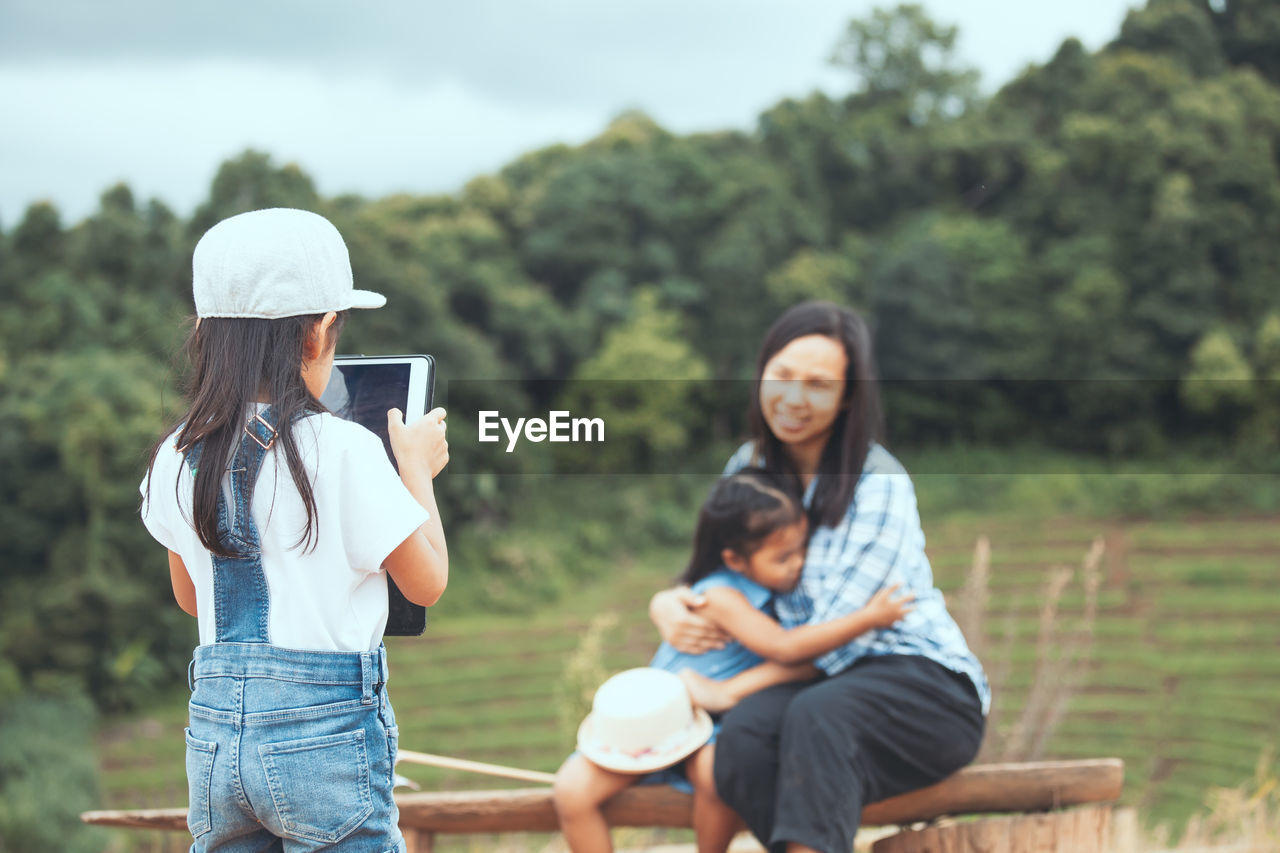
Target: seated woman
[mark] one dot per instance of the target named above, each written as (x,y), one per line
(894,709)
(748,546)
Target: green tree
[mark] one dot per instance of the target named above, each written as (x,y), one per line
(1264,429)
(1180,29)
(952,300)
(704,219)
(35,247)
(1266,348)
(1250,33)
(78,565)
(253,182)
(956,316)
(903,54)
(647,385)
(47,772)
(884,139)
(1219,381)
(835,276)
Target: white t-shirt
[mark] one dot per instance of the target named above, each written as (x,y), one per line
(332,597)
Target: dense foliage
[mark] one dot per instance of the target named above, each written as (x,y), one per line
(46,773)
(1109,217)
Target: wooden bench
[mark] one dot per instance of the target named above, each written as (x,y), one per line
(1035,798)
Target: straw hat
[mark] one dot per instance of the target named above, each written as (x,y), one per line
(642,720)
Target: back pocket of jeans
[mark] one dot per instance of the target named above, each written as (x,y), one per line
(319,785)
(199,779)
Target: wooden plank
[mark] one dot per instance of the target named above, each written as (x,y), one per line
(974,790)
(1079,830)
(531,810)
(980,789)
(993,788)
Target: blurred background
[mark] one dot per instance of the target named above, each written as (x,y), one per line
(1061,223)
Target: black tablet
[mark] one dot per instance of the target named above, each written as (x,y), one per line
(362,389)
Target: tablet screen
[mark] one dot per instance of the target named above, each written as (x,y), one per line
(363,393)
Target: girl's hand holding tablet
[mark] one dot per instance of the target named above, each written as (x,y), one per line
(421,443)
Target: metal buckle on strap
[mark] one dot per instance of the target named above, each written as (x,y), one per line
(249,432)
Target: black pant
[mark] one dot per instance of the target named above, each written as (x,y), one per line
(799,761)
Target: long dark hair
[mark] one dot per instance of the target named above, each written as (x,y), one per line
(859,422)
(237,361)
(742,511)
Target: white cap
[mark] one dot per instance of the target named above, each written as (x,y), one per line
(275,263)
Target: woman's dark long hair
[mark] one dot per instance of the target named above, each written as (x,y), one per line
(237,361)
(859,422)
(742,511)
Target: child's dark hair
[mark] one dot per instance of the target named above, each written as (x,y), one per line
(742,511)
(237,361)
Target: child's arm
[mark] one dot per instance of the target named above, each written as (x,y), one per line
(183,588)
(729,609)
(420,564)
(788,653)
(720,696)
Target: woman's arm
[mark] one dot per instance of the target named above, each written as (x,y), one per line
(729,609)
(184,591)
(676,613)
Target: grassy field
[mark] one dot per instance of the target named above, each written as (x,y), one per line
(1182,679)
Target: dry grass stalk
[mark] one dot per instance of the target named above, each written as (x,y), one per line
(971,610)
(584,671)
(1245,819)
(1072,659)
(971,617)
(1062,652)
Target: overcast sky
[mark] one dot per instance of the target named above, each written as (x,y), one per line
(391,96)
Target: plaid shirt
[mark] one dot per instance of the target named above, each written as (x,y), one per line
(878,543)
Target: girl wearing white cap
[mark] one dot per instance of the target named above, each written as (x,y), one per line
(278,519)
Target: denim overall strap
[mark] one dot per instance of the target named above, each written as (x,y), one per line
(240,598)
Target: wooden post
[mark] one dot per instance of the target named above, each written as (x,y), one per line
(1082,830)
(419,840)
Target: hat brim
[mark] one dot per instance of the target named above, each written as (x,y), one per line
(697,734)
(367,299)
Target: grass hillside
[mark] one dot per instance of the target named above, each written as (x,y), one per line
(1182,679)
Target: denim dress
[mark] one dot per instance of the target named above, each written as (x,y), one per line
(287,749)
(718,664)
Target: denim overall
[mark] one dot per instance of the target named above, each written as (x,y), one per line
(287,749)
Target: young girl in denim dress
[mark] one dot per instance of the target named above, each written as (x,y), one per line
(279,520)
(749,543)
